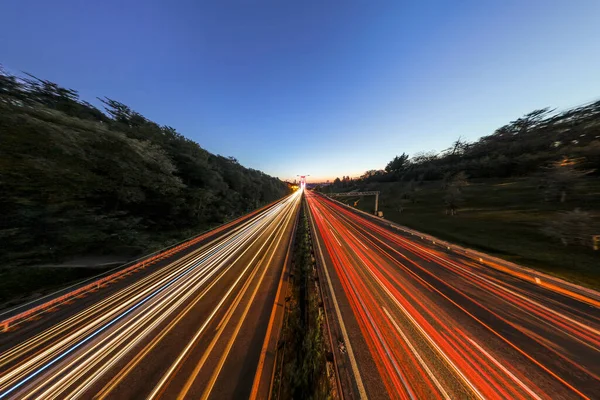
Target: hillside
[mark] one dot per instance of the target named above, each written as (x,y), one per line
(504,217)
(529,193)
(77,181)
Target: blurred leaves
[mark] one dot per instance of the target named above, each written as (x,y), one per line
(74,180)
(573,228)
(520,148)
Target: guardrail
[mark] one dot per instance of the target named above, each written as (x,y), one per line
(570,289)
(349,384)
(99,280)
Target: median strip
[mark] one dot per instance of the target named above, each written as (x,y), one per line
(303,369)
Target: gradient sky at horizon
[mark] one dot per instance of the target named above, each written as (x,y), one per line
(322,88)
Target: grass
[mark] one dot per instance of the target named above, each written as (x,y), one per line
(303,374)
(20,282)
(500,217)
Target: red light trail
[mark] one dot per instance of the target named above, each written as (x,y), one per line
(438,325)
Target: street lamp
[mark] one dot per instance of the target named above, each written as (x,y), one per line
(302,181)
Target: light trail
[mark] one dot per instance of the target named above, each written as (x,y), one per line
(95,350)
(439,325)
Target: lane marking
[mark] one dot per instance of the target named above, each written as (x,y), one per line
(506,371)
(427,337)
(191,343)
(333,235)
(208,389)
(417,355)
(361,388)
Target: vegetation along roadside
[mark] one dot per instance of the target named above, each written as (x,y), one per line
(529,192)
(77,182)
(302,370)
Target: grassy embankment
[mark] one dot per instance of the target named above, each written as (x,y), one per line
(303,372)
(19,284)
(27,282)
(76,182)
(504,218)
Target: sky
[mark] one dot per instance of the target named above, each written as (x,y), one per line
(326,88)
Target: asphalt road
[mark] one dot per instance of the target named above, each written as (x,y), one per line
(418,322)
(193,328)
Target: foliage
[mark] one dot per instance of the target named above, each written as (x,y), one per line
(573,228)
(520,148)
(503,217)
(304,374)
(74,180)
(562,176)
(338,185)
(453,196)
(559,148)
(397,164)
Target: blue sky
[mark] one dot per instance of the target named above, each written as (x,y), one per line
(326,88)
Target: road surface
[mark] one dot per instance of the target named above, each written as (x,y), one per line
(193,328)
(418,322)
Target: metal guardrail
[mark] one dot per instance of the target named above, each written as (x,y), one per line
(351,387)
(99,280)
(550,282)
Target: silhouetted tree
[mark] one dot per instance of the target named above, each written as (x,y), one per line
(453,195)
(75,180)
(397,164)
(562,176)
(519,148)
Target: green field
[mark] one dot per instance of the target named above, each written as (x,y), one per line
(504,218)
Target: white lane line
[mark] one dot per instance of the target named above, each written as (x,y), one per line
(73,338)
(382,340)
(168,277)
(418,356)
(336,239)
(432,342)
(359,383)
(506,371)
(194,339)
(209,387)
(358,240)
(158,277)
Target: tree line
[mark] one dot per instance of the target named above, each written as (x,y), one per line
(76,180)
(522,147)
(556,149)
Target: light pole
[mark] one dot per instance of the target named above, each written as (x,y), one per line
(302,181)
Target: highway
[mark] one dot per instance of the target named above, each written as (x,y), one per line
(414,321)
(193,328)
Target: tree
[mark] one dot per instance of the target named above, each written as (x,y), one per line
(459,147)
(453,195)
(372,173)
(119,112)
(397,164)
(424,157)
(412,187)
(519,148)
(75,180)
(529,121)
(572,228)
(11,91)
(562,176)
